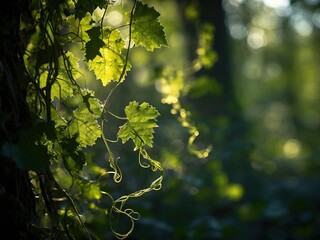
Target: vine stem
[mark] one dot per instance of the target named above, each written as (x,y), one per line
(71,202)
(125,63)
(113,164)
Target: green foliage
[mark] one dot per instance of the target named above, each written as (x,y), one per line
(63,41)
(109,65)
(141,119)
(146,29)
(84,125)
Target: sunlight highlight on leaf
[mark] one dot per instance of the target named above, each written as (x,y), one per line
(146,28)
(108,67)
(140,124)
(84,124)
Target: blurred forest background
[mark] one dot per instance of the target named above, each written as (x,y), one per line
(257,106)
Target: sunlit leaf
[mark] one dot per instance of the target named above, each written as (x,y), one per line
(141,121)
(63,85)
(109,66)
(84,124)
(85,25)
(146,28)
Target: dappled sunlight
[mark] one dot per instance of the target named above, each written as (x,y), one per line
(234,192)
(275,89)
(228,147)
(302,23)
(246,139)
(256,38)
(291,148)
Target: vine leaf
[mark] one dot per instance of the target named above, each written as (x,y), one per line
(85,25)
(95,43)
(73,157)
(62,87)
(84,123)
(146,28)
(84,6)
(141,121)
(109,66)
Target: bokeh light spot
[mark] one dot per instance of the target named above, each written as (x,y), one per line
(291,148)
(234,192)
(277,3)
(301,24)
(256,38)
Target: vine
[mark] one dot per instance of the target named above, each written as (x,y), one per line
(64,43)
(68,118)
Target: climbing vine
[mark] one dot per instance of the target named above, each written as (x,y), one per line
(61,42)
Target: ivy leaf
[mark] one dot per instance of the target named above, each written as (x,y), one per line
(109,65)
(84,124)
(141,120)
(146,28)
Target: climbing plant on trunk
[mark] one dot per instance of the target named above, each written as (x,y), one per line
(44,132)
(50,117)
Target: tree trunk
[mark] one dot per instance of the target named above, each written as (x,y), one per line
(16,195)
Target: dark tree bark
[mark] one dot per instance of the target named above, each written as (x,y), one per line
(16,195)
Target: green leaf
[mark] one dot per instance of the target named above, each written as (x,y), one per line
(63,86)
(84,6)
(28,153)
(84,124)
(141,120)
(109,66)
(72,155)
(93,104)
(146,28)
(85,25)
(95,43)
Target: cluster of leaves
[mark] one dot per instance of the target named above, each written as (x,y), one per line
(67,116)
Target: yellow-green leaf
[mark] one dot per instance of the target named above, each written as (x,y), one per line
(146,28)
(141,120)
(84,124)
(109,66)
